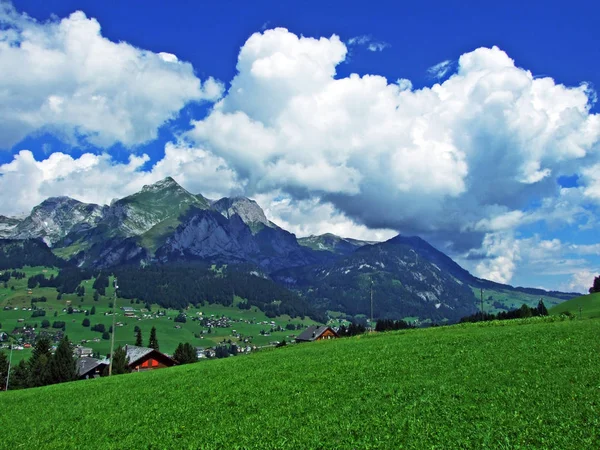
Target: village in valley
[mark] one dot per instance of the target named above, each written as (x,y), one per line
(213,331)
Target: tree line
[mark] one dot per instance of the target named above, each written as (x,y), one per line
(42,368)
(521,313)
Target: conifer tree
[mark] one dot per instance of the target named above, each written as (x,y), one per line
(138,338)
(39,363)
(63,366)
(19,376)
(541,308)
(185,354)
(3,370)
(153,342)
(120,364)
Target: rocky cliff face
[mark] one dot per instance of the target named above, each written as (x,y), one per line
(7,225)
(247,209)
(55,217)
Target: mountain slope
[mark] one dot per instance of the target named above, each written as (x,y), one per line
(332,243)
(404,285)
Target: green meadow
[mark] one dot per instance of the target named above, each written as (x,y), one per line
(522,384)
(170,333)
(586,306)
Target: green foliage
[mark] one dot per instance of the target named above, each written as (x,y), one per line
(153,341)
(39,363)
(596,285)
(19,376)
(185,354)
(86,322)
(63,366)
(120,364)
(3,370)
(177,285)
(106,335)
(28,252)
(138,338)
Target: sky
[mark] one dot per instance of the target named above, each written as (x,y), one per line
(474,126)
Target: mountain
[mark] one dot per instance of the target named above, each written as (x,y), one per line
(164,224)
(247,209)
(17,253)
(7,225)
(334,244)
(55,217)
(209,235)
(404,283)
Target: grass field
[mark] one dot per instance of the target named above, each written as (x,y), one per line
(510,300)
(245,322)
(523,384)
(590,306)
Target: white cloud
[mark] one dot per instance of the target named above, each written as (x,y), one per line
(64,76)
(440,70)
(464,156)
(25,182)
(313,217)
(368,42)
(581,281)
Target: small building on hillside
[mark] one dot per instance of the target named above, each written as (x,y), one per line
(90,367)
(144,358)
(83,352)
(316,333)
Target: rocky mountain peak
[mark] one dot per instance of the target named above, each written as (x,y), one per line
(165,183)
(248,210)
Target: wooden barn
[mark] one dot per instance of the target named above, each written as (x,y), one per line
(143,358)
(317,333)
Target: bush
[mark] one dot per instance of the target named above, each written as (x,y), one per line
(100,327)
(86,322)
(106,335)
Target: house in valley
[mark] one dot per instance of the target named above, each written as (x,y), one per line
(90,367)
(316,333)
(144,358)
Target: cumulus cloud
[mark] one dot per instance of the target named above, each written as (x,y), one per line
(64,76)
(25,182)
(458,161)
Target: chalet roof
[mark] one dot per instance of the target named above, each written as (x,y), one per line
(312,333)
(127,308)
(135,353)
(87,364)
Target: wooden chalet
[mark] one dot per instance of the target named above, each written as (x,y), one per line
(316,333)
(143,358)
(90,367)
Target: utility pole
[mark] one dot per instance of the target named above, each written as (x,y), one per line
(9,364)
(481,303)
(112,338)
(371,303)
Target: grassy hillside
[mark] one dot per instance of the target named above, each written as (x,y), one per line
(497,300)
(521,384)
(245,322)
(590,306)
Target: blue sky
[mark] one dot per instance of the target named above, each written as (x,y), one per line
(492,154)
